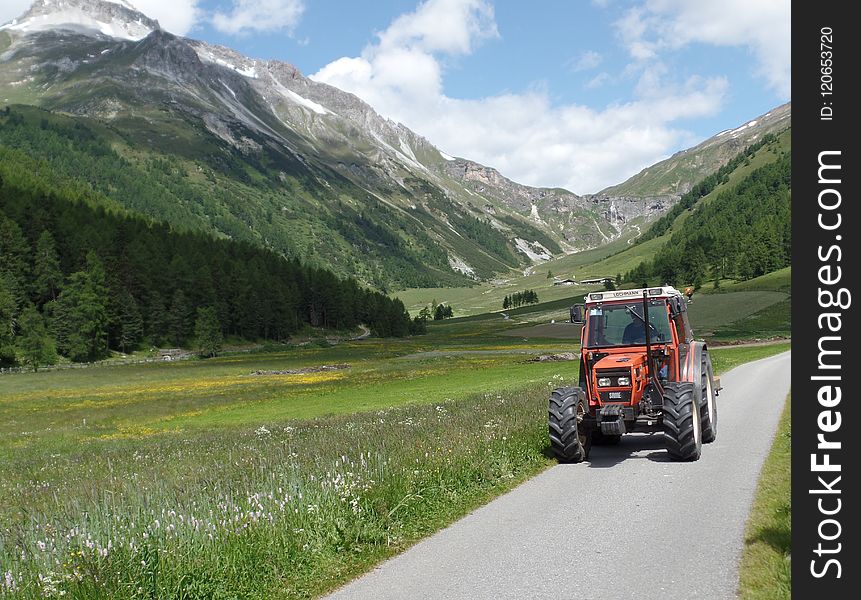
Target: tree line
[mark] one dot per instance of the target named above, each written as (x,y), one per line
(743,233)
(80,279)
(518,299)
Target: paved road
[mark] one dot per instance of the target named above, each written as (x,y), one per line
(626,524)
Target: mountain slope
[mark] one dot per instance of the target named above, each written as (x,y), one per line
(623,257)
(312,171)
(676,175)
(253,150)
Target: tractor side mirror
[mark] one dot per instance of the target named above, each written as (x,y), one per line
(577,314)
(677,306)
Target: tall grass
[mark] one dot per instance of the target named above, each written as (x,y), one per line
(280,511)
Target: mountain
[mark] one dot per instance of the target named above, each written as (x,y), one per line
(211,140)
(675,176)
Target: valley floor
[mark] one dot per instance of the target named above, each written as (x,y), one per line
(177,480)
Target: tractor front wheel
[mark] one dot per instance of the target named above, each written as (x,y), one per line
(682,425)
(568,439)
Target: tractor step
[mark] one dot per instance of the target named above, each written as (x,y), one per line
(612,420)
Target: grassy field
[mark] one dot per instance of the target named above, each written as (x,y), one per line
(765,572)
(192,479)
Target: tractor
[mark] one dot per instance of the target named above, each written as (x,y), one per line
(640,370)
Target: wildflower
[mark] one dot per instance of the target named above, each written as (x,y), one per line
(9,582)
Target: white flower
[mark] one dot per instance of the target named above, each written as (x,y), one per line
(9,582)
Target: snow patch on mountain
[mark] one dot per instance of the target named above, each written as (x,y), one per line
(535,251)
(460,265)
(205,53)
(78,21)
(535,216)
(121,3)
(112,18)
(309,104)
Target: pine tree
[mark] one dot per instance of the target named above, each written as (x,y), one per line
(80,315)
(158,319)
(37,347)
(8,311)
(207,330)
(131,322)
(47,276)
(506,303)
(180,318)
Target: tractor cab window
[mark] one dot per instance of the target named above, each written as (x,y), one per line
(623,324)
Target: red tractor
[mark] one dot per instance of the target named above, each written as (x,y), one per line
(640,370)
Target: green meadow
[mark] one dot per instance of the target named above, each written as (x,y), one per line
(222,478)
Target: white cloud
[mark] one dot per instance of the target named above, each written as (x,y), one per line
(175,16)
(260,15)
(598,81)
(587,61)
(762,26)
(524,135)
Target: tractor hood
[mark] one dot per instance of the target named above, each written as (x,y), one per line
(622,361)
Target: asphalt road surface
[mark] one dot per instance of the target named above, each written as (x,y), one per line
(628,523)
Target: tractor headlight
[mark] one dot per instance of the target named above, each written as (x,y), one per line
(624,381)
(604,381)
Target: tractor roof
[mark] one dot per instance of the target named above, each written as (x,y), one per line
(655,292)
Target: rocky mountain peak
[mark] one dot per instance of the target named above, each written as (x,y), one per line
(111,18)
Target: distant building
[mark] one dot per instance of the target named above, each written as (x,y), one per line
(596,280)
(564,282)
(171,353)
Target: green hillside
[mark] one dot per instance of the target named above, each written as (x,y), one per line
(81,278)
(176,171)
(744,232)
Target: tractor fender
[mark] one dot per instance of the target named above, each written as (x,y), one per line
(691,368)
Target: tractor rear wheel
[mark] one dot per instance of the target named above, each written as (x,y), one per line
(708,416)
(682,425)
(569,440)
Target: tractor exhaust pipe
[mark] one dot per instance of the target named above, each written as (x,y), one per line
(650,360)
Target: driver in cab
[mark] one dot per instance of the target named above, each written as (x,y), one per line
(635,331)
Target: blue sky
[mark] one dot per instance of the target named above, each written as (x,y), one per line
(572,93)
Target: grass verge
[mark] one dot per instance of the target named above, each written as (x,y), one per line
(765,572)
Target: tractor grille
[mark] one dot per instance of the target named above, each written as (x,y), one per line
(615,396)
